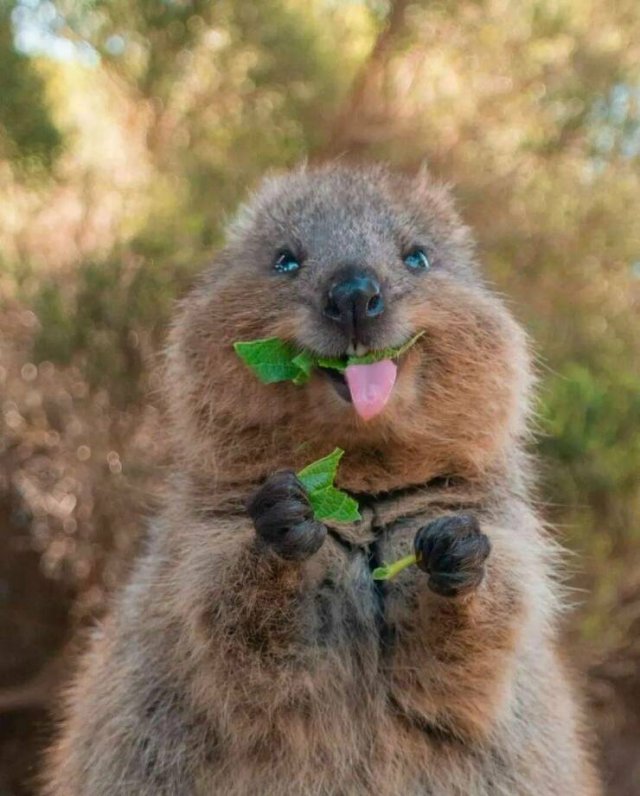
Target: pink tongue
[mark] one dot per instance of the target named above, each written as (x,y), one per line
(370,386)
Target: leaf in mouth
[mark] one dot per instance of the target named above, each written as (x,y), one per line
(274,360)
(385,353)
(270,359)
(304,362)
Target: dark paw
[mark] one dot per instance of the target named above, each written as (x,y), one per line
(283,517)
(452,550)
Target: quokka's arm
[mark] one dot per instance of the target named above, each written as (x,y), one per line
(456,652)
(269,616)
(247,584)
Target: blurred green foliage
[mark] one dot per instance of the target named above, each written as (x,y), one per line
(28,136)
(104,320)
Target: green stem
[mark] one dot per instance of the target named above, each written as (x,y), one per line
(387,571)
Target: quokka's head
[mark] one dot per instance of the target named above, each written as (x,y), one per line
(341,261)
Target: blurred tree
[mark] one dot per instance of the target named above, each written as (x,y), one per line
(27,134)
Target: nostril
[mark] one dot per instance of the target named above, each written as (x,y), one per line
(375,305)
(332,310)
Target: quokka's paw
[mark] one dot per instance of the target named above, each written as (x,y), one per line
(283,517)
(452,551)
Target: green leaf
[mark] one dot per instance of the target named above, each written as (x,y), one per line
(304,362)
(332,363)
(270,359)
(328,503)
(333,504)
(387,571)
(273,360)
(322,473)
(385,353)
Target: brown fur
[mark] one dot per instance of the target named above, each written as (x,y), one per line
(226,669)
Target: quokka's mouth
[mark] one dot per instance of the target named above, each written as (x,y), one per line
(339,383)
(367,385)
(368,378)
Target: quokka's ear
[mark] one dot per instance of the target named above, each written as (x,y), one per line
(426,185)
(436,202)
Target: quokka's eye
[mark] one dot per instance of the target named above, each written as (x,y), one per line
(417,260)
(286,262)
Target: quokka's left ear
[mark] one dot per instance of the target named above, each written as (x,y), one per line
(426,186)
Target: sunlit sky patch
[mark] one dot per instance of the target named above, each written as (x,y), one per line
(38,30)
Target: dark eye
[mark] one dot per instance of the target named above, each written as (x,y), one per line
(286,262)
(417,260)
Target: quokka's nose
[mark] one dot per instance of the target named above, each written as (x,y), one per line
(354,300)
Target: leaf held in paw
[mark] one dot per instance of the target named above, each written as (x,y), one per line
(321,473)
(333,504)
(328,502)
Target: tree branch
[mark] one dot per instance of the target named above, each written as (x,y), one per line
(346,134)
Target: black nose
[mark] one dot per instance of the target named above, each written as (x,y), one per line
(354,300)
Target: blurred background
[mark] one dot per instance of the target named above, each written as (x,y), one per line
(129,131)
